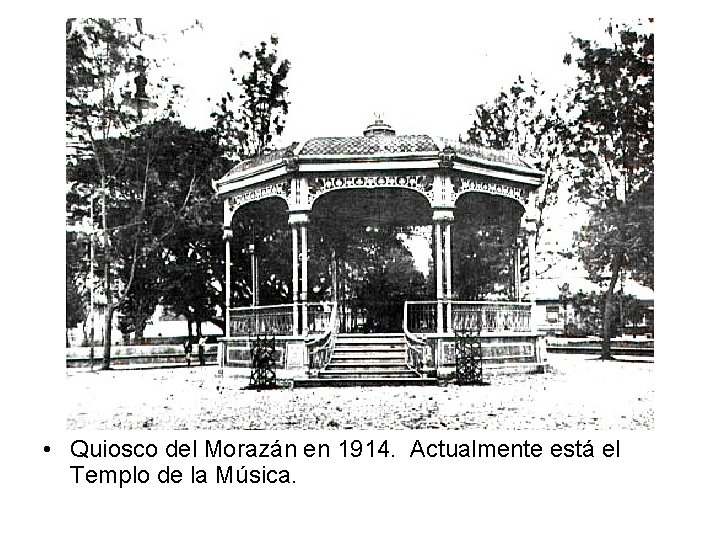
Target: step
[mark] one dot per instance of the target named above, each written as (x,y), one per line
(402,381)
(369,338)
(369,347)
(370,344)
(361,364)
(371,374)
(397,335)
(367,354)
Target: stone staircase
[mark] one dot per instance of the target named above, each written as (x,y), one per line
(368,360)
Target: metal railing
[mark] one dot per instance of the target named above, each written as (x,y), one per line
(421,317)
(320,317)
(418,353)
(320,349)
(254,320)
(490,316)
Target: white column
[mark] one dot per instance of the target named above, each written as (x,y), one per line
(531,265)
(298,220)
(448,277)
(304,277)
(439,275)
(227,235)
(295,280)
(516,272)
(254,276)
(531,234)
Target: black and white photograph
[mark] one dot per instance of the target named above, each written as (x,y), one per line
(381,269)
(365,227)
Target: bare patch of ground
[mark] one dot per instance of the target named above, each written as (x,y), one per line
(578,393)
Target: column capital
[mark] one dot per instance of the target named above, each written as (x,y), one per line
(227,232)
(443,215)
(296,217)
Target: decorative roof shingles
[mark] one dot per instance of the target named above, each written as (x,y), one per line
(379,145)
(365,146)
(507,157)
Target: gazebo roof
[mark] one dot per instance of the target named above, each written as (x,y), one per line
(379,148)
(368,145)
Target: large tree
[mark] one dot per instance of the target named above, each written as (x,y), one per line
(108,82)
(612,141)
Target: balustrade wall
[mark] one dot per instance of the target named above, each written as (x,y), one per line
(278,319)
(421,317)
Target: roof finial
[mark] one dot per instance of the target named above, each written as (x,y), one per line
(379,127)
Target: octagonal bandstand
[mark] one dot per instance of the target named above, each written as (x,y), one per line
(436,173)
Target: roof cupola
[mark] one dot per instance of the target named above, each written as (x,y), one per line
(379,127)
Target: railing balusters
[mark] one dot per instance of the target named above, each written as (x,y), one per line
(421,317)
(278,319)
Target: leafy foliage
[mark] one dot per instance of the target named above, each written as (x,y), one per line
(264,225)
(483,245)
(588,314)
(247,118)
(612,142)
(108,91)
(524,119)
(359,258)
(99,55)
(75,311)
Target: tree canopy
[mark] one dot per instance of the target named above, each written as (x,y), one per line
(148,177)
(612,143)
(253,112)
(598,138)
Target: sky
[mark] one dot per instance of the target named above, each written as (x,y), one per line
(423,69)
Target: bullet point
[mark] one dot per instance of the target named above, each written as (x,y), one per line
(47,448)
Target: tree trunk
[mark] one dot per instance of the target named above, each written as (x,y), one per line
(606,353)
(198,333)
(106,273)
(108,333)
(188,344)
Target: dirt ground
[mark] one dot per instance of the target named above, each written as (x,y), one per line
(578,393)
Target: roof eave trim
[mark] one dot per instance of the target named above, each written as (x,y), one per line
(499,165)
(251,172)
(350,158)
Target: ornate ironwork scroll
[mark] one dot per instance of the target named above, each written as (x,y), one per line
(264,354)
(318,186)
(491,187)
(277,188)
(468,357)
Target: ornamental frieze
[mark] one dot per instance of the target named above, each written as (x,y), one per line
(320,185)
(278,188)
(466,185)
